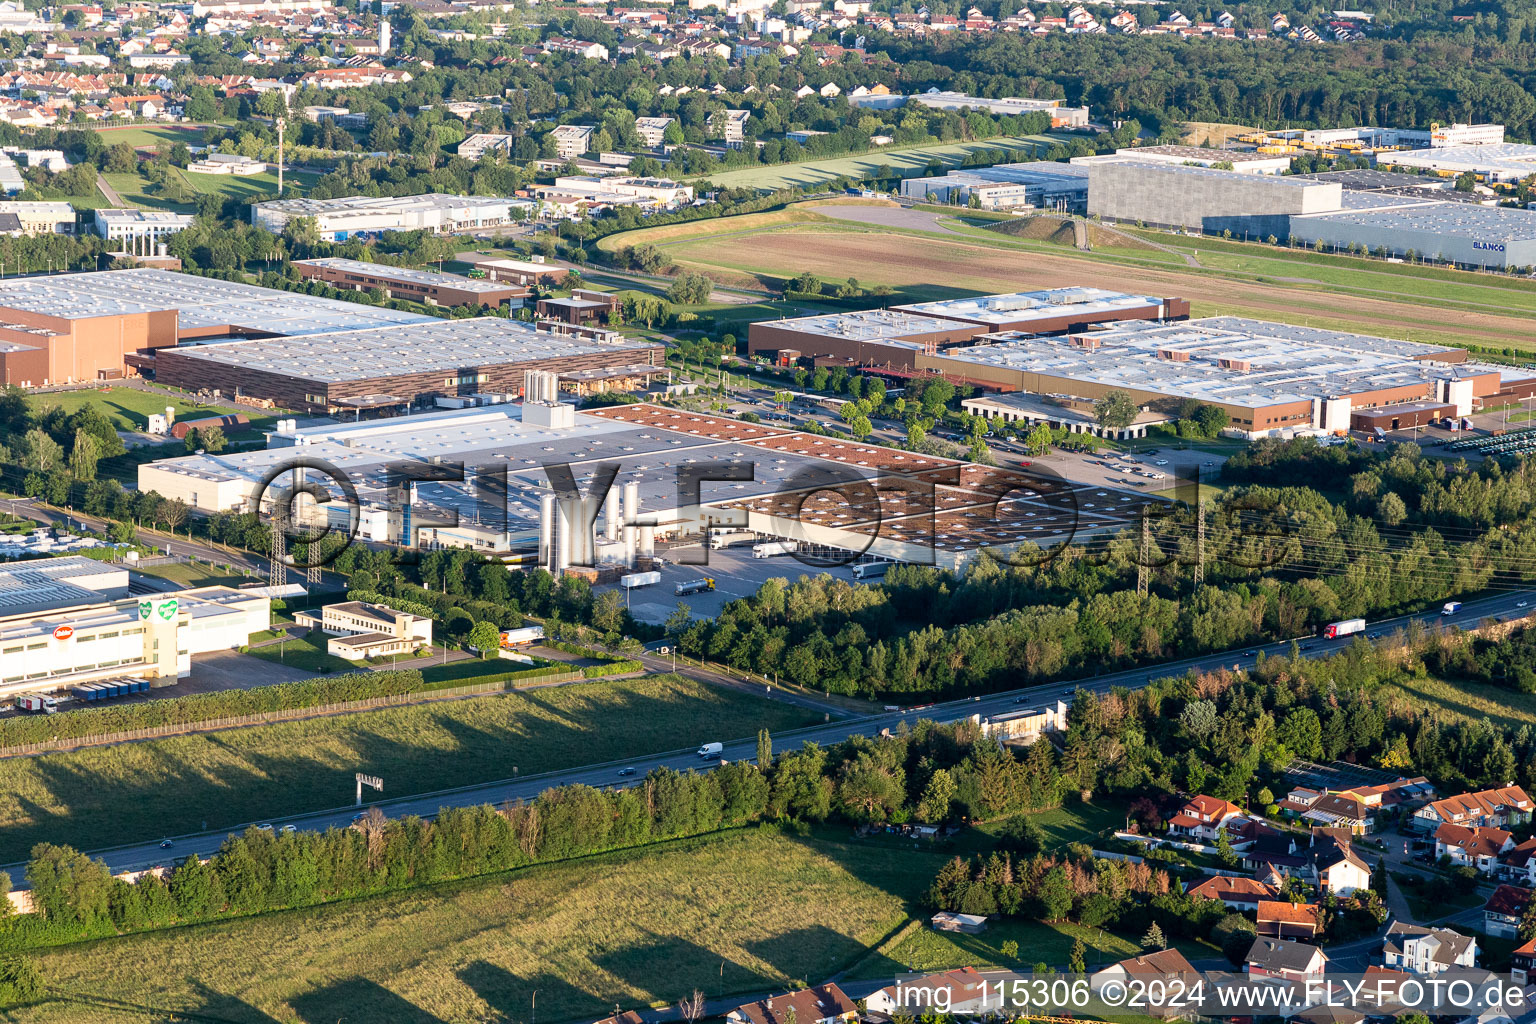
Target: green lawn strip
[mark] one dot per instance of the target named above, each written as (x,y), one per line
(106,796)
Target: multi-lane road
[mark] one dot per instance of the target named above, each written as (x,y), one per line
(140,855)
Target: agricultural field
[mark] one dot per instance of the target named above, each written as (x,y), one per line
(929,256)
(105,796)
(738,912)
(129,408)
(1023,147)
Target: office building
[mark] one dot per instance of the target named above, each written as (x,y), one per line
(140,232)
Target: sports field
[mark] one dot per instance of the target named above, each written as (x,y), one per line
(739,912)
(929,255)
(781,175)
(104,796)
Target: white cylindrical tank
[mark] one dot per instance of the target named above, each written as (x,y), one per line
(547,530)
(648,541)
(614,515)
(631,501)
(630,542)
(563,534)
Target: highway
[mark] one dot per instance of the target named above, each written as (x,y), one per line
(138,856)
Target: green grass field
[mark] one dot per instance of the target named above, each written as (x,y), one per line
(1468,700)
(129,408)
(815,171)
(152,135)
(305,652)
(133,189)
(735,913)
(195,574)
(252,187)
(104,796)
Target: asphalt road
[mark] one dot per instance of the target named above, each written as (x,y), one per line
(138,856)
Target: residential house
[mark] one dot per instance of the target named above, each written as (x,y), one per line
(1503,911)
(1285,959)
(732,124)
(1522,963)
(1166,966)
(1237,893)
(1279,919)
(1503,807)
(1336,867)
(1427,950)
(966,924)
(1341,810)
(1518,864)
(1203,817)
(627,1017)
(1478,847)
(962,992)
(823,1004)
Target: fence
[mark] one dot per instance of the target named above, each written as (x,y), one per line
(273,717)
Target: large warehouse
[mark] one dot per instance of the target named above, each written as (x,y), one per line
(75,327)
(791,490)
(894,338)
(1464,233)
(1502,162)
(151,638)
(1179,196)
(370,216)
(1268,377)
(393,367)
(1039,184)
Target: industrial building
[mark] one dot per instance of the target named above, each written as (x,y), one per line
(530,273)
(37,217)
(1243,161)
(370,216)
(894,339)
(1467,234)
(1506,162)
(1039,184)
(390,367)
(1062,116)
(1270,378)
(788,488)
(434,289)
(151,638)
(44,584)
(1179,196)
(63,328)
(140,232)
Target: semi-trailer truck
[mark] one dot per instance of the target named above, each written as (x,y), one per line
(772,548)
(38,702)
(711,749)
(725,538)
(639,579)
(697,586)
(870,570)
(1451,608)
(524,636)
(1345,627)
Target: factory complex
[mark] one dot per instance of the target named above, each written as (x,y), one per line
(337,220)
(434,289)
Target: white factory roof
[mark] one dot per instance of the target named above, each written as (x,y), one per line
(431,346)
(200,603)
(52,580)
(411,274)
(496,437)
(881,325)
(1274,363)
(200,301)
(1488,223)
(373,205)
(1508,158)
(1039,305)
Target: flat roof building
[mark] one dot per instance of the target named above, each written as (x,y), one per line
(1506,162)
(399,365)
(1467,234)
(482,144)
(140,231)
(151,638)
(1243,161)
(894,338)
(1175,195)
(432,288)
(41,218)
(369,216)
(1041,184)
(1268,377)
(44,584)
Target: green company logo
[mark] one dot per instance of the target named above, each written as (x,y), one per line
(167,609)
(144,609)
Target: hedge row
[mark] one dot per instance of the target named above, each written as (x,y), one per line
(612,668)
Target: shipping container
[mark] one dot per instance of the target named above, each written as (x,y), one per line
(639,579)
